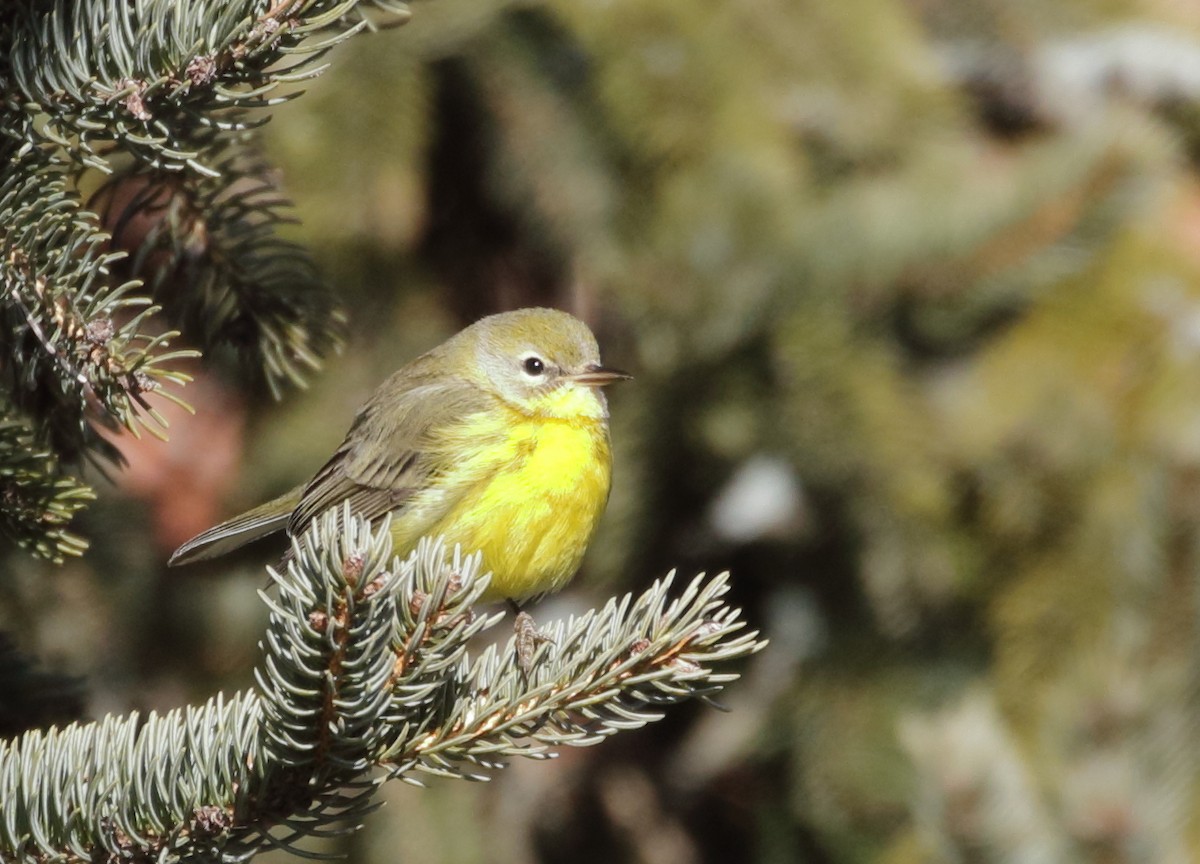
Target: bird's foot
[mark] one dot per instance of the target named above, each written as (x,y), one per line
(528,638)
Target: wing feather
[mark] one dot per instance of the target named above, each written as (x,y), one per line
(238,531)
(390,451)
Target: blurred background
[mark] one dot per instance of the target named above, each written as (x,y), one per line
(911,291)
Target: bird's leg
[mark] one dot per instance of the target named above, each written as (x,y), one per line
(528,637)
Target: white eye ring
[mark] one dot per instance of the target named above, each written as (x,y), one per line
(533,366)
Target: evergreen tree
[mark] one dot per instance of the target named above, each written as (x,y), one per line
(366,673)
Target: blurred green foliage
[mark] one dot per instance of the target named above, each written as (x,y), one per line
(912,295)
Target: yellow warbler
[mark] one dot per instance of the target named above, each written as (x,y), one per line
(497,439)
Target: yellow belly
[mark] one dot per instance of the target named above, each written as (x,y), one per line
(528,499)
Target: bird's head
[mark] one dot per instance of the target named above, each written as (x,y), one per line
(542,362)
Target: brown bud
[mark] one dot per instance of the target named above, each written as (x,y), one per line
(210,820)
(352,567)
(375,585)
(100,330)
(417,603)
(201,70)
(141,382)
(134,103)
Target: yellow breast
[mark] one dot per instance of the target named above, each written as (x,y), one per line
(528,496)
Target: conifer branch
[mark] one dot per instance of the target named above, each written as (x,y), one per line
(178,87)
(366,666)
(165,80)
(76,344)
(37,499)
(210,252)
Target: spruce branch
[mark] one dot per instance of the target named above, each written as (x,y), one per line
(210,251)
(37,498)
(164,80)
(367,665)
(177,87)
(76,346)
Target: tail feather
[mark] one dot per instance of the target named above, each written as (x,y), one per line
(262,520)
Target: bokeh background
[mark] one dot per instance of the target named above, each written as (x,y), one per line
(911,290)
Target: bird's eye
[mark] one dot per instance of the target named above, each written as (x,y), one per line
(533,366)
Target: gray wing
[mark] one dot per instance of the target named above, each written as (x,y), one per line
(385,456)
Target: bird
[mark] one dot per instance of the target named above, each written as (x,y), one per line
(497,440)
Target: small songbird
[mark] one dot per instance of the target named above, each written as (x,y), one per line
(497,440)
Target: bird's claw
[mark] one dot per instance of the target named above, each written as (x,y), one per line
(527,639)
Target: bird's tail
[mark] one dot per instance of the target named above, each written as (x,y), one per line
(262,520)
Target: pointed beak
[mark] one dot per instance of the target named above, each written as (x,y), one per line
(598,376)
